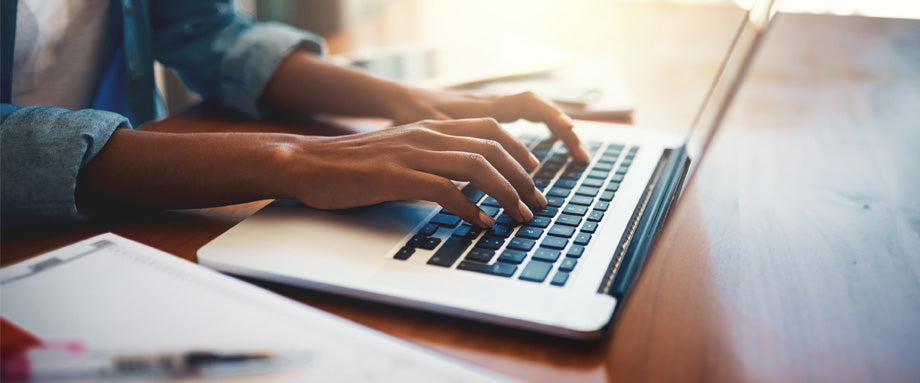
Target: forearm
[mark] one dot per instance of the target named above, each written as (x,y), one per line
(164,170)
(308,83)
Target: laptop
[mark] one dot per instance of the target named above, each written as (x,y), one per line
(564,273)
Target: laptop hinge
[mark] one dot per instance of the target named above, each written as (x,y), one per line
(648,218)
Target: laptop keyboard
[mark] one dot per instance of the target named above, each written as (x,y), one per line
(578,195)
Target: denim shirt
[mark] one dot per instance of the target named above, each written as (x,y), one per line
(219,52)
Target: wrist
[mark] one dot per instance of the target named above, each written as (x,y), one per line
(393,98)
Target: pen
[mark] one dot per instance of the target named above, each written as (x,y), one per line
(56,365)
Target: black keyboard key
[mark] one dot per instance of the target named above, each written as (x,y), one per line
(562,231)
(571,220)
(472,192)
(626,162)
(530,232)
(613,186)
(596,215)
(546,254)
(616,178)
(558,192)
(449,252)
(606,196)
(463,231)
(480,255)
(512,256)
(499,230)
(541,183)
(575,251)
(430,243)
(603,166)
(560,278)
(581,200)
(575,209)
(602,205)
(622,170)
(589,227)
(536,271)
(546,144)
(489,201)
(506,220)
(568,264)
(446,220)
(404,253)
(546,212)
(582,238)
(607,159)
(500,269)
(541,222)
(490,242)
(587,190)
(565,184)
(424,242)
(593,182)
(523,244)
(599,174)
(554,242)
(552,201)
(491,211)
(571,174)
(545,173)
(428,229)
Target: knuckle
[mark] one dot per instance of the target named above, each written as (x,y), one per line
(491,122)
(476,161)
(528,95)
(492,148)
(418,132)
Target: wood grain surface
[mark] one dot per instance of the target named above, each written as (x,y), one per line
(794,254)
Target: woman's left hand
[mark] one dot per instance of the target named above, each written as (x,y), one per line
(425,104)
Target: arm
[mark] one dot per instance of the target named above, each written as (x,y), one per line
(163,170)
(306,82)
(42,150)
(223,54)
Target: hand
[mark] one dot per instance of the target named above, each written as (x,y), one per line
(422,104)
(416,161)
(308,83)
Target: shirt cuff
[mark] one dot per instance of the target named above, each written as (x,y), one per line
(251,61)
(43,149)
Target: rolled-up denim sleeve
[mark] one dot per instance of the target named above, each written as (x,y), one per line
(221,52)
(41,152)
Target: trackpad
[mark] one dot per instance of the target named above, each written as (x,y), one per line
(369,230)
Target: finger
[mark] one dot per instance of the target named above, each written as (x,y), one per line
(492,151)
(417,115)
(474,167)
(490,129)
(529,106)
(431,187)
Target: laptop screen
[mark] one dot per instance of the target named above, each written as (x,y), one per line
(728,78)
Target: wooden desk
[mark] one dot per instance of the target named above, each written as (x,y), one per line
(794,254)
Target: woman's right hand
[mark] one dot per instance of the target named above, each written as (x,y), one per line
(414,161)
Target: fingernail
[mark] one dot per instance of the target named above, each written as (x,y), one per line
(541,200)
(566,120)
(534,162)
(584,151)
(485,220)
(526,214)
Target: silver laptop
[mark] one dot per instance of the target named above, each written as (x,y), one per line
(564,273)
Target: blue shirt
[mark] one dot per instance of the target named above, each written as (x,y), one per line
(219,52)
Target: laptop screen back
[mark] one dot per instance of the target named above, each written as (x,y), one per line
(728,78)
